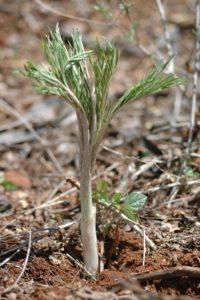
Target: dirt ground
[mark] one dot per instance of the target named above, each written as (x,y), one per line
(143,150)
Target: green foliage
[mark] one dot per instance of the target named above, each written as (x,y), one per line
(103,67)
(154,82)
(67,76)
(130,206)
(101,195)
(116,198)
(188,171)
(133,203)
(8,185)
(130,35)
(125,7)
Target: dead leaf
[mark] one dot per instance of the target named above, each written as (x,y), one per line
(18,178)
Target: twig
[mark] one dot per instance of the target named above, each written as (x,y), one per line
(173,272)
(68,16)
(80,265)
(43,142)
(144,168)
(193,105)
(144,248)
(195,79)
(26,260)
(123,156)
(7,259)
(101,262)
(171,67)
(15,285)
(170,185)
(166,33)
(139,229)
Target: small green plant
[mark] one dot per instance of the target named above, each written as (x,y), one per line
(190,172)
(8,185)
(128,205)
(67,76)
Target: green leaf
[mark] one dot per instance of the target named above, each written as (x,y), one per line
(188,171)
(133,204)
(101,197)
(116,199)
(154,82)
(103,67)
(102,186)
(9,186)
(125,7)
(66,73)
(130,35)
(136,201)
(127,211)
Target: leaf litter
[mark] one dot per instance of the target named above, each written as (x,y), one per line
(50,273)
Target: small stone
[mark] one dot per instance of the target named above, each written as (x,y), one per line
(12,296)
(24,203)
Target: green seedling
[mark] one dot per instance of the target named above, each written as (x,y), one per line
(189,172)
(8,185)
(68,76)
(128,205)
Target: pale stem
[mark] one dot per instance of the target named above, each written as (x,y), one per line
(88,211)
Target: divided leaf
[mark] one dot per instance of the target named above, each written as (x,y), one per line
(103,67)
(154,82)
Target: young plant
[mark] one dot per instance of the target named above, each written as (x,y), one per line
(67,76)
(120,205)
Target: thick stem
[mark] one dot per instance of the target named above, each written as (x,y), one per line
(88,211)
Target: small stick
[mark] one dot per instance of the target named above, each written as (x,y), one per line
(26,260)
(173,272)
(194,100)
(166,33)
(7,259)
(136,158)
(101,262)
(143,169)
(144,248)
(137,227)
(140,231)
(15,285)
(80,265)
(68,16)
(195,79)
(167,186)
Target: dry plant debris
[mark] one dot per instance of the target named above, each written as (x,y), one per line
(38,139)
